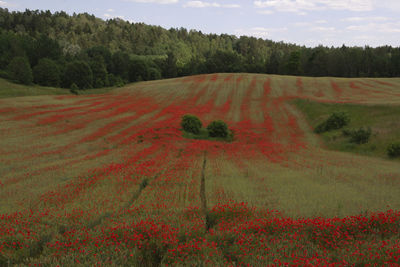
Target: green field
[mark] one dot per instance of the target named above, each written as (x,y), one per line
(9,89)
(382,119)
(110,179)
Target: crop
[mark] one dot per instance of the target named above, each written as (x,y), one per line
(110,180)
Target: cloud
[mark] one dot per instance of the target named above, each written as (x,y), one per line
(323,29)
(265,12)
(376,27)
(155,1)
(202,4)
(109,16)
(6,4)
(361,19)
(302,24)
(259,32)
(286,5)
(110,10)
(301,6)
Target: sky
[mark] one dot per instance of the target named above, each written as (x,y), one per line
(303,22)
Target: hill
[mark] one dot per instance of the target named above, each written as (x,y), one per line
(109,179)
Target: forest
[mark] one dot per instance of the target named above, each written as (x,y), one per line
(80,51)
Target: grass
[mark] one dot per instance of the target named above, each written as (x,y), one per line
(383,120)
(119,164)
(203,135)
(9,89)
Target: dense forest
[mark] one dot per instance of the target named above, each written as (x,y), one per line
(81,51)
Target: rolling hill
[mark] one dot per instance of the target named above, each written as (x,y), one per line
(108,178)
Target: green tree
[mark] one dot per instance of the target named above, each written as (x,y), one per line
(20,70)
(170,69)
(153,74)
(80,73)
(294,63)
(335,121)
(45,47)
(218,128)
(137,70)
(120,65)
(224,61)
(191,124)
(393,150)
(46,73)
(103,52)
(99,70)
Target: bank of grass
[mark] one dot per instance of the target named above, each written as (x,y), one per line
(382,119)
(204,135)
(10,89)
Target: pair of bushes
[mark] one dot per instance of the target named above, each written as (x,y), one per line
(340,119)
(192,124)
(361,136)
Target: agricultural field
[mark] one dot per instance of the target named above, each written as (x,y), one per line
(108,179)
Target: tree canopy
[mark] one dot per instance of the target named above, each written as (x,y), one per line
(120,51)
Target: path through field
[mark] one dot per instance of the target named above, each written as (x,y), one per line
(109,178)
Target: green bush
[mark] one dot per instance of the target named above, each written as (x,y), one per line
(191,124)
(46,73)
(393,150)
(360,136)
(20,70)
(74,89)
(336,121)
(218,128)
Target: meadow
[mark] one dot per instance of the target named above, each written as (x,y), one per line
(109,179)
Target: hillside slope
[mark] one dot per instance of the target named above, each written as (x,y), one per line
(111,175)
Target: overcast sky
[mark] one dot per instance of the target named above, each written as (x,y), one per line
(304,22)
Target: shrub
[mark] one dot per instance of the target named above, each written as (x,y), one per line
(74,89)
(336,121)
(191,124)
(360,136)
(46,73)
(20,70)
(218,129)
(393,150)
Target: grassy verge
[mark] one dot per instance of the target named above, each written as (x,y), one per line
(383,120)
(10,89)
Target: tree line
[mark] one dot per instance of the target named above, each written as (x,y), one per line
(82,51)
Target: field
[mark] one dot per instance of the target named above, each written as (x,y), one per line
(108,179)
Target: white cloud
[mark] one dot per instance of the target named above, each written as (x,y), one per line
(110,10)
(309,24)
(259,32)
(286,5)
(300,6)
(376,27)
(6,4)
(323,29)
(155,1)
(109,16)
(359,19)
(302,24)
(265,12)
(202,4)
